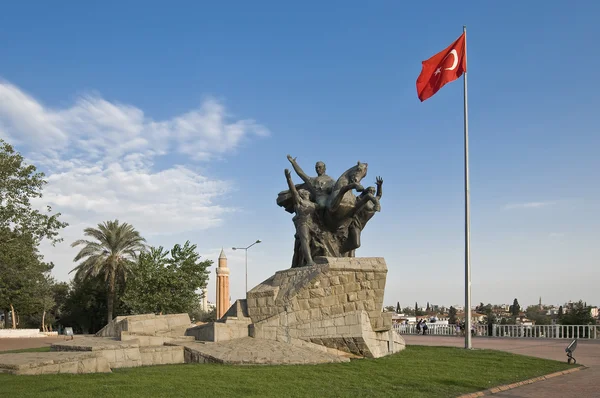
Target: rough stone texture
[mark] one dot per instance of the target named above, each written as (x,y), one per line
(164,355)
(136,341)
(248,350)
(336,303)
(21,333)
(36,363)
(145,340)
(233,325)
(220,331)
(147,324)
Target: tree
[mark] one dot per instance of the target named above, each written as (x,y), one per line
(22,228)
(408,311)
(428,307)
(537,315)
(19,183)
(46,298)
(560,311)
(490,317)
(388,308)
(21,272)
(112,254)
(398,308)
(515,309)
(578,314)
(84,307)
(452,316)
(165,284)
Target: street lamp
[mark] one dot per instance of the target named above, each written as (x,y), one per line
(246,249)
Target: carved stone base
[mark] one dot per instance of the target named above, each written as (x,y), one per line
(336,303)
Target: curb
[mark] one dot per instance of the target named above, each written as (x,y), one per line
(505,387)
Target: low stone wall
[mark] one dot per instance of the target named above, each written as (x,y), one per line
(39,363)
(219,331)
(144,340)
(337,303)
(147,324)
(21,333)
(165,355)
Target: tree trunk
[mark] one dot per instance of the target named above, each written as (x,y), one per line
(110,299)
(44,321)
(14,316)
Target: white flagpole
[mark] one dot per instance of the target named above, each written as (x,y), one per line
(467,212)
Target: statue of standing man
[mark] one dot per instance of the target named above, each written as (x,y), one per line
(319,186)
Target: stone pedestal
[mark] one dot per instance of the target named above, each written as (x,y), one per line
(337,304)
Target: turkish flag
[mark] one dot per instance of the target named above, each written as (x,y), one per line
(444,67)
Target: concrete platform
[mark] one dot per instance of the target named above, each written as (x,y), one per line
(125,354)
(248,350)
(37,363)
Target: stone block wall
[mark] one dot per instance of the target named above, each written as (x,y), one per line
(337,303)
(220,331)
(147,324)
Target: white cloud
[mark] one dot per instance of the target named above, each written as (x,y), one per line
(99,159)
(556,235)
(528,205)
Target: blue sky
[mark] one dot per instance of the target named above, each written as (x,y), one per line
(178,119)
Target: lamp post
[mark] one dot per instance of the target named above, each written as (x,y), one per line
(246,249)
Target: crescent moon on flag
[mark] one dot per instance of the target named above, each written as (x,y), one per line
(453,52)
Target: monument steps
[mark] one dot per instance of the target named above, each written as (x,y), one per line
(37,363)
(248,351)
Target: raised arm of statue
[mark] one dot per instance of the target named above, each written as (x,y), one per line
(293,190)
(299,170)
(379,183)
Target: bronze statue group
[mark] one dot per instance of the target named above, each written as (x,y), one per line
(328,216)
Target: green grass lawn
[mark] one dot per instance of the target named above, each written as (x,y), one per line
(418,371)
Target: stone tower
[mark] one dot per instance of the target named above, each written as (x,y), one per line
(222,285)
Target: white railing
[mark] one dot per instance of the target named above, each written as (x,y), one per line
(548,331)
(511,331)
(439,329)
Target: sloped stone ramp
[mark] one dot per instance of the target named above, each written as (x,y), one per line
(248,350)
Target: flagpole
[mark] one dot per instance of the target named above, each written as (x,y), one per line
(467,211)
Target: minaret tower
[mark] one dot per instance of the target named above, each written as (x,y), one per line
(222,286)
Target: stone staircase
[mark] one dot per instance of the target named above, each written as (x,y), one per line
(233,325)
(129,341)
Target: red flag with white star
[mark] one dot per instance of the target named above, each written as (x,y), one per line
(444,67)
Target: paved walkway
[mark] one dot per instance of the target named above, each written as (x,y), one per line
(585,383)
(9,344)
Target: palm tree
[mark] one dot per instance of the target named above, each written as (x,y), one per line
(112,254)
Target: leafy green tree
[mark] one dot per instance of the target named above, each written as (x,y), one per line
(560,312)
(408,311)
(199,315)
(19,184)
(21,272)
(578,314)
(452,316)
(112,254)
(167,282)
(22,228)
(84,307)
(537,315)
(398,308)
(515,308)
(388,308)
(418,312)
(490,317)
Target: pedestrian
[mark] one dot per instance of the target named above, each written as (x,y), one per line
(419,326)
(424,327)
